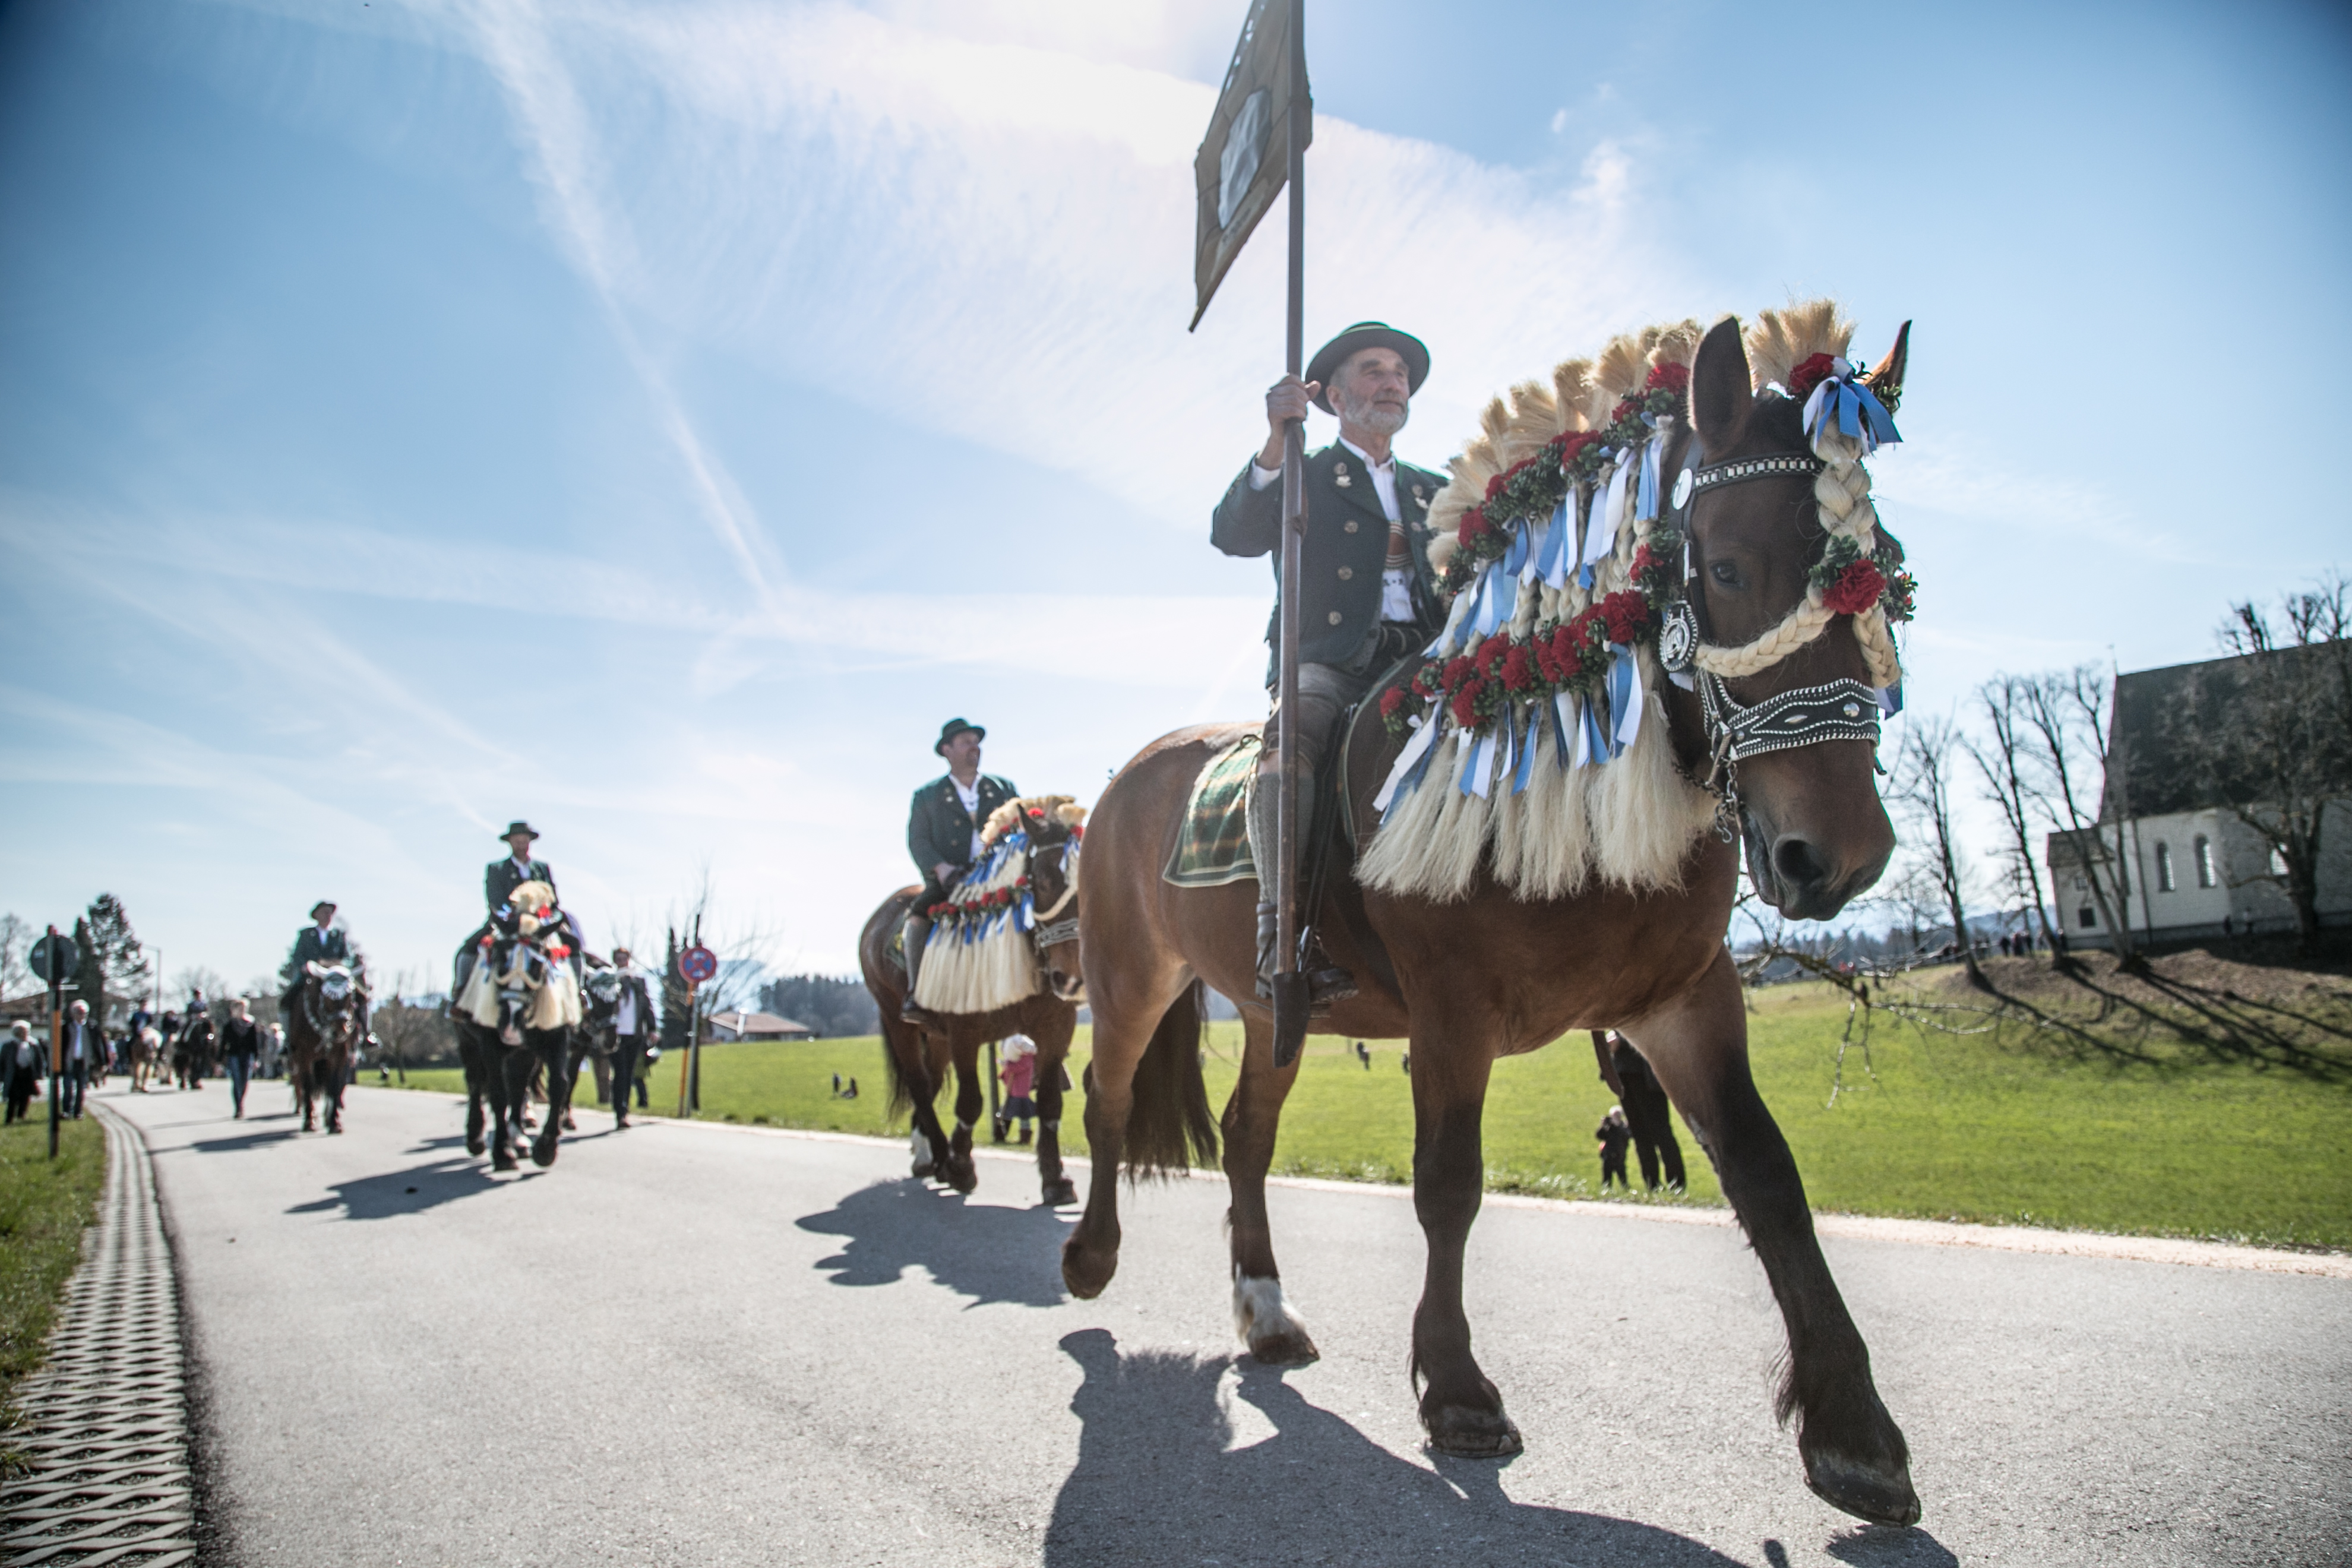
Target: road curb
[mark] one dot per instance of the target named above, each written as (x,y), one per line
(2178,1251)
(106,1420)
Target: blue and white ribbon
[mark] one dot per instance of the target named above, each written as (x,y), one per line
(1841,399)
(1625,694)
(1408,765)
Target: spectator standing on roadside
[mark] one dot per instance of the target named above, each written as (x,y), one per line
(1649,1115)
(634,1035)
(240,1047)
(20,1068)
(1613,1134)
(194,1053)
(1019,1076)
(85,1046)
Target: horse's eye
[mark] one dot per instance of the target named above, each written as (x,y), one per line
(1725,572)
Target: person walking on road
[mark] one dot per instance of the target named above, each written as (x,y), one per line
(1613,1134)
(20,1069)
(633,1034)
(240,1047)
(1019,1076)
(193,1055)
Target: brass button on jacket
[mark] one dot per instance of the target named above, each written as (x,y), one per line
(1335,617)
(1346,572)
(1351,525)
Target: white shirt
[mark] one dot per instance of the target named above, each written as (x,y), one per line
(1396,590)
(970,798)
(625,1016)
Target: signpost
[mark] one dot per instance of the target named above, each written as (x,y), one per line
(695,965)
(53,958)
(1255,147)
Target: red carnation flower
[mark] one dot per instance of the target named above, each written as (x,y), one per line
(1856,589)
(1465,706)
(1390,701)
(1457,672)
(1625,410)
(1490,653)
(1671,376)
(1517,672)
(1626,611)
(1474,525)
(1573,445)
(1809,375)
(1495,486)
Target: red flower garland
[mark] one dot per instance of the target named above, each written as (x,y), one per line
(1810,373)
(1857,589)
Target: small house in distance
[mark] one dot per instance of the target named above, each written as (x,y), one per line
(2191,868)
(755,1026)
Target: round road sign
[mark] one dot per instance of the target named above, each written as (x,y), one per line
(697,965)
(54,958)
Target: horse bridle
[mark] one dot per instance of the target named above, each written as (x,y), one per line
(1840,709)
(1044,928)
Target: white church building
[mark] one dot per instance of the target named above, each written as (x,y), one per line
(2192,869)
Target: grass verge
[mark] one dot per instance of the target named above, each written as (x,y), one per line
(2168,1141)
(44,1206)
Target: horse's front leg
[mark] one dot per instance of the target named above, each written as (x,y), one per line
(306,1085)
(1854,1455)
(510,1073)
(339,1073)
(1264,1318)
(959,1172)
(1053,1183)
(555,1054)
(1462,1410)
(470,1056)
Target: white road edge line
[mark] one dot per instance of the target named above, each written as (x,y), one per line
(1845,1226)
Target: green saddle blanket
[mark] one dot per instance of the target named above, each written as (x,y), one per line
(1213,846)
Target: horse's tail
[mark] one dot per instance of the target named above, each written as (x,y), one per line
(1170,1128)
(902,1093)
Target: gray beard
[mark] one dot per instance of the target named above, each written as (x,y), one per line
(1371,417)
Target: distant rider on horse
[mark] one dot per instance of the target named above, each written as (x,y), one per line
(501,878)
(320,942)
(943,827)
(1369,598)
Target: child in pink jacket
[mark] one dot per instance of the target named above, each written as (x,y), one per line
(1019,1075)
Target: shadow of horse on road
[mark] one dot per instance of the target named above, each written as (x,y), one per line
(984,1251)
(1157,1482)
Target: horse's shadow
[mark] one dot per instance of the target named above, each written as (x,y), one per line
(409,1191)
(239,1142)
(1158,1482)
(979,1250)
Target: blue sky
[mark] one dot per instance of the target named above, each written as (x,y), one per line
(654,420)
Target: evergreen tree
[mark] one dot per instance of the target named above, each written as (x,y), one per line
(121,960)
(87,982)
(675,1000)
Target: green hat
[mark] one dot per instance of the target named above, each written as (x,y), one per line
(951,728)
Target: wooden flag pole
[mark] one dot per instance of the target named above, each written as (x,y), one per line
(1290,999)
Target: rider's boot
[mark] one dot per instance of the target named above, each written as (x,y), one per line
(1325,982)
(913,935)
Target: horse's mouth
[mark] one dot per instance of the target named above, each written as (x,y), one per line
(1068,988)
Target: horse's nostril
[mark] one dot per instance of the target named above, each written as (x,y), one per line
(1798,863)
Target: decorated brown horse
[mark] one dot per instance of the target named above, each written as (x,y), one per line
(1002,960)
(515,1005)
(1670,608)
(324,1030)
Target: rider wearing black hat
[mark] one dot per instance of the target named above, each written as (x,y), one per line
(320,942)
(501,878)
(1368,597)
(943,825)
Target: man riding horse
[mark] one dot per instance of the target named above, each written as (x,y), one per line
(943,827)
(323,943)
(1369,598)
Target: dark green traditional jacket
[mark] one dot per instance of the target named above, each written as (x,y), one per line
(500,877)
(312,945)
(939,828)
(1343,554)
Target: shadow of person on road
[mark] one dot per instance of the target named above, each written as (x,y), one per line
(410,1191)
(1157,1482)
(257,1138)
(981,1250)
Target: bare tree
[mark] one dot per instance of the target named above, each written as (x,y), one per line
(2003,774)
(2268,737)
(2066,725)
(1922,786)
(16,936)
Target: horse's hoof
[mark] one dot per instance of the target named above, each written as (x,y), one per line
(922,1171)
(1060,1190)
(1291,1348)
(1866,1492)
(334,1129)
(504,1160)
(1266,1322)
(542,1152)
(1086,1273)
(961,1173)
(476,1145)
(1471,1432)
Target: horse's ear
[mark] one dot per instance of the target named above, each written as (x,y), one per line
(1886,381)
(1720,397)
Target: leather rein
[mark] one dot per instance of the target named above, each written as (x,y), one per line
(1840,709)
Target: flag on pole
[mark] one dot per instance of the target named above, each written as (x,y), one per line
(1245,158)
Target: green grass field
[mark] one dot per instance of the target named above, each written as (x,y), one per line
(44,1206)
(1950,1127)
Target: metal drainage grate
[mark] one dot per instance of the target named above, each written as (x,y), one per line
(106,1421)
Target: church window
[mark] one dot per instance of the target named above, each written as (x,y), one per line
(2205,878)
(2163,866)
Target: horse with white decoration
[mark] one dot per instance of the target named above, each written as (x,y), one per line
(1670,613)
(516,1004)
(1002,958)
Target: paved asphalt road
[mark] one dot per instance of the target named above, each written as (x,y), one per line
(690,1345)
